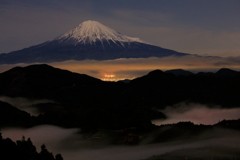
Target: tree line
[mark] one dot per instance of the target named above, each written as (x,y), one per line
(24,150)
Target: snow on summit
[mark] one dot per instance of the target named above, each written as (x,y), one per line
(92,31)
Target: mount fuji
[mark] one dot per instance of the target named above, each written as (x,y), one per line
(89,40)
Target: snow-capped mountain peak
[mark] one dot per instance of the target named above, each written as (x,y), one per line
(89,40)
(92,31)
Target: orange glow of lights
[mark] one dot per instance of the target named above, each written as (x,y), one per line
(109,77)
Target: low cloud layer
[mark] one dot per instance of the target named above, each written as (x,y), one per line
(51,136)
(198,114)
(135,67)
(59,140)
(25,104)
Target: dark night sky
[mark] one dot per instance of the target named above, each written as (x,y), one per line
(207,27)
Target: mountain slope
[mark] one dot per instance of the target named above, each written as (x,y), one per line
(11,116)
(166,88)
(42,80)
(81,101)
(156,89)
(89,40)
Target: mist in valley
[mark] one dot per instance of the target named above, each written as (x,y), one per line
(197,114)
(75,145)
(25,104)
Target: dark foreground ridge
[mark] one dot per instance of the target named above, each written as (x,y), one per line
(24,150)
(78,100)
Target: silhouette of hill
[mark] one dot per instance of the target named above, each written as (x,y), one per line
(179,72)
(41,81)
(227,72)
(84,101)
(164,88)
(11,116)
(188,130)
(231,124)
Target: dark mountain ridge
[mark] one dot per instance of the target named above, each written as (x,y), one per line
(44,81)
(82,100)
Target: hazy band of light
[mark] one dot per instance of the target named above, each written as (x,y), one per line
(134,67)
